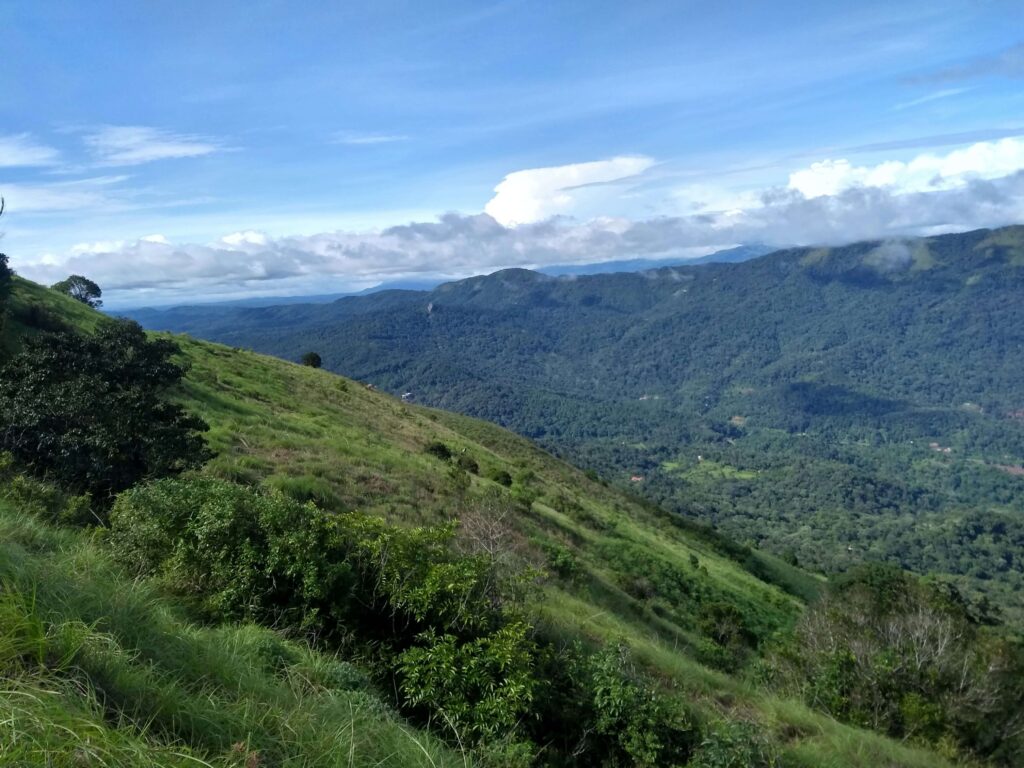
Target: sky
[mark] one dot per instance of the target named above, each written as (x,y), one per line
(189,151)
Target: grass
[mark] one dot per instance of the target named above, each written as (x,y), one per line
(145,678)
(94,665)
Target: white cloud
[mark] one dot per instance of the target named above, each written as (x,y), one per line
(457,245)
(239,240)
(983,160)
(21,150)
(135,144)
(832,201)
(535,194)
(61,196)
(356,139)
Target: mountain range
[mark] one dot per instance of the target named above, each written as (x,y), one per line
(832,405)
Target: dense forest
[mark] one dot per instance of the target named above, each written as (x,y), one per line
(832,405)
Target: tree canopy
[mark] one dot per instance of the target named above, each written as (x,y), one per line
(80,289)
(89,412)
(5,279)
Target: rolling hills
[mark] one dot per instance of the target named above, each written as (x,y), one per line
(103,664)
(830,405)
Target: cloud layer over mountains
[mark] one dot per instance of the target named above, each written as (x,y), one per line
(536,218)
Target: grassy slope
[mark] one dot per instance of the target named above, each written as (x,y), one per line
(109,673)
(317,435)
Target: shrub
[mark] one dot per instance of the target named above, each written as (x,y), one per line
(481,687)
(501,477)
(562,561)
(735,744)
(5,280)
(906,657)
(420,609)
(89,412)
(439,449)
(468,464)
(312,359)
(637,725)
(243,554)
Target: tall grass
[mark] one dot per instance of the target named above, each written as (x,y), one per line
(97,668)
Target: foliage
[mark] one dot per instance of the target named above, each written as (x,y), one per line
(91,412)
(101,669)
(735,744)
(605,711)
(637,721)
(312,359)
(481,688)
(80,289)
(501,477)
(5,281)
(437,622)
(887,651)
(438,449)
(245,555)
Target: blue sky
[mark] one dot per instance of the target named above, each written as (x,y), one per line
(193,150)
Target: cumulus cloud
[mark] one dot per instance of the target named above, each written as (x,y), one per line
(531,195)
(457,245)
(982,160)
(136,144)
(21,150)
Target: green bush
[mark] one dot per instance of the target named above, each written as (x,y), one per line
(636,725)
(89,412)
(481,688)
(602,710)
(909,658)
(562,561)
(438,449)
(501,477)
(312,359)
(418,608)
(241,553)
(468,464)
(735,744)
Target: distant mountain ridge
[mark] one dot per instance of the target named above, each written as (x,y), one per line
(729,255)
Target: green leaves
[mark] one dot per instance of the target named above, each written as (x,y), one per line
(88,411)
(886,651)
(480,687)
(80,289)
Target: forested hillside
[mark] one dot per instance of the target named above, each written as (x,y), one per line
(832,405)
(313,573)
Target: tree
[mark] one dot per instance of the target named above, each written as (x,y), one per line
(80,289)
(89,412)
(5,279)
(5,274)
(312,359)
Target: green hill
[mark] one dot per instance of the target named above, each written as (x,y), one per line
(832,405)
(103,666)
